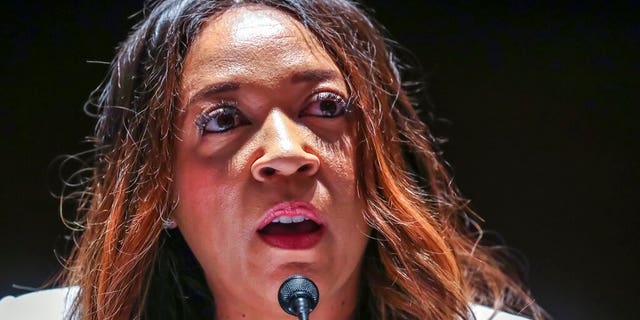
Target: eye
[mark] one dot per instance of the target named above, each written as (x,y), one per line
(325,105)
(221,117)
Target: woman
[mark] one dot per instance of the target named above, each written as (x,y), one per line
(240,142)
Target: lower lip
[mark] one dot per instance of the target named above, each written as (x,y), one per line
(293,242)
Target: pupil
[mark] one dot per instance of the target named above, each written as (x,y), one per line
(328,107)
(225,120)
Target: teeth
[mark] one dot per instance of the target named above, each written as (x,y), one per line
(297,219)
(285,219)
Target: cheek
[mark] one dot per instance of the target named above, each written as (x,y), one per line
(339,163)
(207,185)
(338,160)
(200,174)
(197,187)
(193,179)
(204,214)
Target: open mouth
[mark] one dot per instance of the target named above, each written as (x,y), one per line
(290,226)
(292,232)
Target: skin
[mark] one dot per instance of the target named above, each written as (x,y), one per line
(221,186)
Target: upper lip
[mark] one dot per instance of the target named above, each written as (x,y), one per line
(291,209)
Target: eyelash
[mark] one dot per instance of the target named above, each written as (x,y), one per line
(229,109)
(342,106)
(222,108)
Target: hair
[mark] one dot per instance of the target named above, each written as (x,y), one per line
(424,260)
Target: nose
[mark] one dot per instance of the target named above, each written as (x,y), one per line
(286,151)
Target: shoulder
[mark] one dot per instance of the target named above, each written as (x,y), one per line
(50,304)
(481,312)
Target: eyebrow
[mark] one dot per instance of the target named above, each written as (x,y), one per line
(215,89)
(314,76)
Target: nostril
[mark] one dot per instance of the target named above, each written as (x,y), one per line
(268,171)
(304,168)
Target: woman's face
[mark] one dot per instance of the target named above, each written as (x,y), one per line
(264,169)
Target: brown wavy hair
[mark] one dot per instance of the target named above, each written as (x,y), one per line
(424,260)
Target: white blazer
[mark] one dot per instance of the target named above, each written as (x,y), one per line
(52,304)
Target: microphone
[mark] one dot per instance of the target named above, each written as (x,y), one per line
(298,296)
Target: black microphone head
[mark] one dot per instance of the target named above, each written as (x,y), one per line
(297,286)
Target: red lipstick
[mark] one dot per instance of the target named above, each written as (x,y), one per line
(291,225)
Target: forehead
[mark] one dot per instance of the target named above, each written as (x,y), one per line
(253,43)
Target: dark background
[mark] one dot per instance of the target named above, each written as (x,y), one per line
(542,99)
